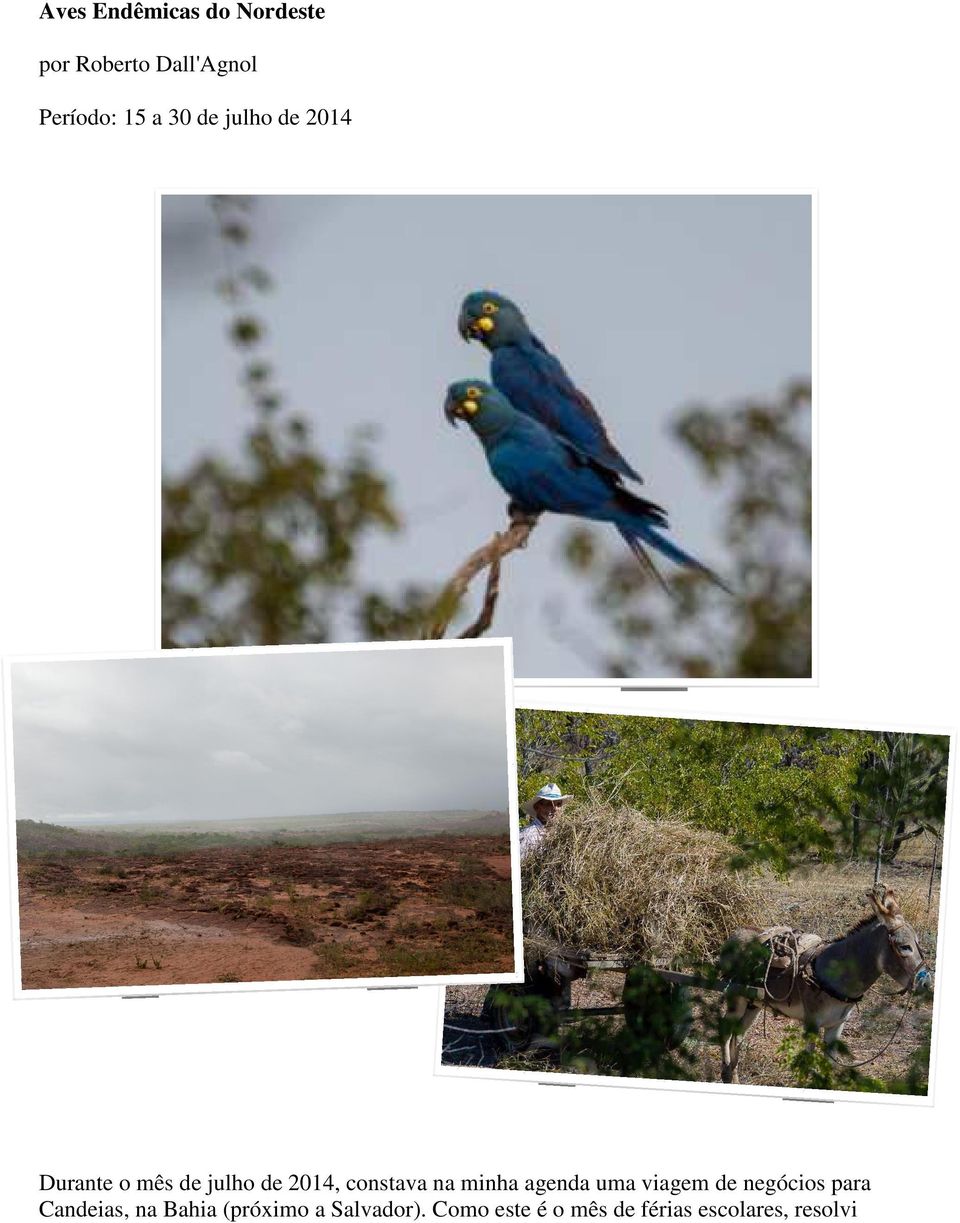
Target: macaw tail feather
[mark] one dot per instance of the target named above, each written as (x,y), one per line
(620,464)
(636,538)
(645,559)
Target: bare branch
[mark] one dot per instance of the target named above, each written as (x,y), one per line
(491,594)
(488,556)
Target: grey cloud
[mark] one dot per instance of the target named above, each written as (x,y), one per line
(226,736)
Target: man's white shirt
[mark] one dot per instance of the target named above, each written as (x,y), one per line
(531,837)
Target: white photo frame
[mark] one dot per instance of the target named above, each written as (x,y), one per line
(678,684)
(501,667)
(561,1078)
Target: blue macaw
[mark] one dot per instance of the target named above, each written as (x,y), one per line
(540,471)
(533,379)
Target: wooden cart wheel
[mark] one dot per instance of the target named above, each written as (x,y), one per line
(546,990)
(514,1033)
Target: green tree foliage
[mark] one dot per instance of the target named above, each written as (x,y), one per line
(804,1057)
(902,792)
(780,793)
(262,549)
(757,452)
(648,1042)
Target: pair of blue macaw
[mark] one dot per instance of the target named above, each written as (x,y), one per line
(544,440)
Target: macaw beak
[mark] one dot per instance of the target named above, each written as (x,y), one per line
(456,410)
(474,328)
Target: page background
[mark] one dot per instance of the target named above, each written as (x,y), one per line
(857,105)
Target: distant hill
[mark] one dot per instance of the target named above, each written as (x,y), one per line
(36,839)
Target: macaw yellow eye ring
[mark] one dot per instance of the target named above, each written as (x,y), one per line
(489,307)
(473,392)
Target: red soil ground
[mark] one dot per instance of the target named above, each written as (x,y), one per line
(419,906)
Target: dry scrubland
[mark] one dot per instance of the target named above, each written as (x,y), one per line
(411,906)
(661,891)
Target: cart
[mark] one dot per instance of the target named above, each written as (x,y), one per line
(655,1002)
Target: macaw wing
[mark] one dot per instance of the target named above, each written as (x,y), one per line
(565,495)
(558,378)
(534,381)
(533,373)
(604,486)
(551,476)
(619,498)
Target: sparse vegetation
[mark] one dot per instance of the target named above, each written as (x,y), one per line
(56,842)
(370,903)
(258,912)
(416,959)
(333,960)
(486,897)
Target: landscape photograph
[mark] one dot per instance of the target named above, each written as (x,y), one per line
(219,817)
(725,903)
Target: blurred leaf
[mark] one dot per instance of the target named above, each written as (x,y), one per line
(246,331)
(758,454)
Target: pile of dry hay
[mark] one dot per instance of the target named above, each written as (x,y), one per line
(619,885)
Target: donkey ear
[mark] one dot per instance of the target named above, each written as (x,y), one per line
(884,902)
(883,899)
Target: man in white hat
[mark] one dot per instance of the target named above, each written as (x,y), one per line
(540,809)
(549,977)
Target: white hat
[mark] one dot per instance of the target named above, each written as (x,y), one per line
(550,792)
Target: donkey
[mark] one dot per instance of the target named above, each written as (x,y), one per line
(821,982)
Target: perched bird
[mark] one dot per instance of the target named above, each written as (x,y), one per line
(533,379)
(541,471)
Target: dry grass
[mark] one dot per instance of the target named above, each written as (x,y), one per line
(829,899)
(621,885)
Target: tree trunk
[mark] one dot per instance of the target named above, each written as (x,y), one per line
(901,834)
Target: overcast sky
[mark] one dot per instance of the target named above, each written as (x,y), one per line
(233,736)
(650,302)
